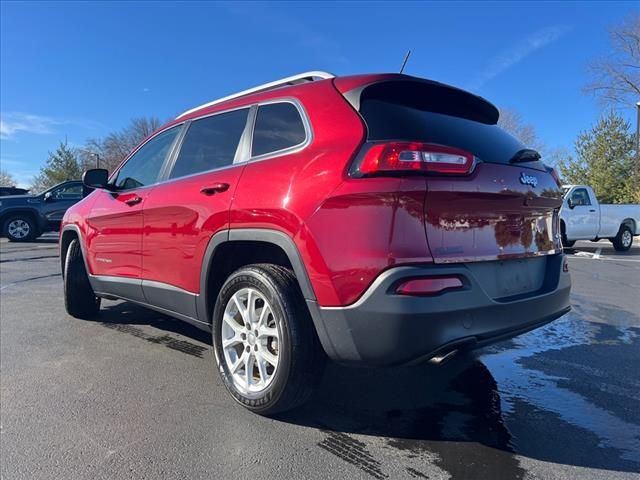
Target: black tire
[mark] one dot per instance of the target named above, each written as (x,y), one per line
(79,299)
(301,359)
(27,231)
(563,236)
(624,239)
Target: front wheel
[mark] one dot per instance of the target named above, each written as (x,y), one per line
(20,228)
(623,241)
(79,299)
(265,345)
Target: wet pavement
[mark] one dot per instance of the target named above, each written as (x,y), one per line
(135,395)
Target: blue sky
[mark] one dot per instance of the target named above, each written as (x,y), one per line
(79,70)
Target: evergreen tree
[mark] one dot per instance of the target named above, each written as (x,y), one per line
(61,165)
(606,161)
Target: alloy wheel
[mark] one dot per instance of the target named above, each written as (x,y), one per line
(250,340)
(18,228)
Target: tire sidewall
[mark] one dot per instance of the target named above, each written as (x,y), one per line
(624,247)
(258,279)
(32,228)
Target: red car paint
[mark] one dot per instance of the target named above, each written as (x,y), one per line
(346,230)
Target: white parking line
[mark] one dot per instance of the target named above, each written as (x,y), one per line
(609,259)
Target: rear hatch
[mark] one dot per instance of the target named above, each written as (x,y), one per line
(505,205)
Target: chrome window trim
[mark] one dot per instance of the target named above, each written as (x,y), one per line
(247,138)
(289,150)
(239,149)
(245,144)
(170,154)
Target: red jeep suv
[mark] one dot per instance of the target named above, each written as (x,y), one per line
(378,219)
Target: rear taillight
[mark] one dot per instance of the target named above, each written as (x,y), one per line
(413,157)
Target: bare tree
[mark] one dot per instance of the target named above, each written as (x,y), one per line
(6,179)
(512,122)
(113,148)
(615,79)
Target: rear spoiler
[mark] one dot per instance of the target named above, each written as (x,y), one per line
(418,93)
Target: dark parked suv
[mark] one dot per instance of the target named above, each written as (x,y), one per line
(6,191)
(374,219)
(25,217)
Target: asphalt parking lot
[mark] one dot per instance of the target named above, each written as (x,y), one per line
(135,395)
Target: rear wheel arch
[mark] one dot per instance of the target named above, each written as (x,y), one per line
(631,223)
(229,250)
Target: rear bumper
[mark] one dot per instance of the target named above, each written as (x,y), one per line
(384,329)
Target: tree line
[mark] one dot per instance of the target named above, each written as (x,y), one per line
(606,155)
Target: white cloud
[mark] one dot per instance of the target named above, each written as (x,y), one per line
(522,49)
(13,122)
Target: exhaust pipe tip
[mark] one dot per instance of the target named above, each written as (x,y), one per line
(441,359)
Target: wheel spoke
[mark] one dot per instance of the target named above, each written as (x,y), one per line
(264,314)
(267,332)
(262,369)
(241,361)
(229,342)
(248,369)
(240,308)
(269,357)
(235,326)
(251,307)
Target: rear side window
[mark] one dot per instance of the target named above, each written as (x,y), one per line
(278,126)
(210,143)
(412,113)
(144,166)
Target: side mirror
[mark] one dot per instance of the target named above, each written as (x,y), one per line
(570,203)
(96,178)
(48,197)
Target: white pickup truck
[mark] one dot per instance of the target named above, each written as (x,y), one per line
(583,218)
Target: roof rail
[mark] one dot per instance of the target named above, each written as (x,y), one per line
(292,80)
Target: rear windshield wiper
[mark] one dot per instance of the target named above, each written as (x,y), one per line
(525,155)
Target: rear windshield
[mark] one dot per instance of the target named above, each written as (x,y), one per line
(397,117)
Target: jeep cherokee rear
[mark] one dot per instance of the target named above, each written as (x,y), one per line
(384,219)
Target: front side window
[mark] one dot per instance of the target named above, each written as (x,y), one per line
(68,192)
(278,126)
(580,197)
(144,167)
(210,143)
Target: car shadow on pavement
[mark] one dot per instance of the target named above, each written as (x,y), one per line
(132,319)
(451,415)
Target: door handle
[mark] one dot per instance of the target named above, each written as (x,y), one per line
(592,211)
(215,188)
(133,201)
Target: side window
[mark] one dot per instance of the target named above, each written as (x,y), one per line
(144,166)
(580,197)
(210,143)
(278,126)
(68,192)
